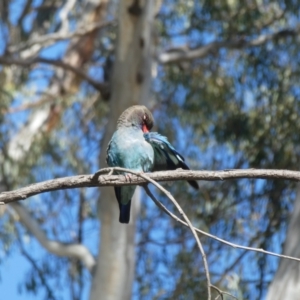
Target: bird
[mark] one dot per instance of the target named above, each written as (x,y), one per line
(134,147)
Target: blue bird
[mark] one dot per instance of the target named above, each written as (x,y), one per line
(134,147)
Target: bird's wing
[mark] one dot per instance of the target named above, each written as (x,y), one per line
(165,155)
(111,159)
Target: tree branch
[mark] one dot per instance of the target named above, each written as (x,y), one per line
(8,60)
(98,179)
(104,178)
(76,251)
(184,54)
(40,272)
(188,224)
(49,39)
(233,245)
(221,293)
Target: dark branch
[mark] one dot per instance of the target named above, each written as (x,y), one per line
(8,60)
(236,246)
(184,54)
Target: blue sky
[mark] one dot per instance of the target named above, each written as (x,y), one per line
(12,273)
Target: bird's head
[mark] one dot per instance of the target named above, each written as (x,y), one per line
(138,116)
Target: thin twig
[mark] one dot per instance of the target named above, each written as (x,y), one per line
(233,245)
(187,54)
(189,224)
(221,293)
(35,267)
(50,38)
(9,60)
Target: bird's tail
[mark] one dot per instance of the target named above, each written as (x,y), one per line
(124,212)
(124,195)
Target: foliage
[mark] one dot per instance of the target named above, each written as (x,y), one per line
(236,107)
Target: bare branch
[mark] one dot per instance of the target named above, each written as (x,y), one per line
(185,54)
(221,293)
(236,246)
(76,251)
(7,60)
(40,273)
(24,12)
(98,179)
(49,39)
(37,269)
(63,15)
(189,224)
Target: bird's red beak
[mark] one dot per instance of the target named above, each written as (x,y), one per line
(144,128)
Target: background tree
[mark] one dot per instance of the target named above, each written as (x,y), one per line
(222,80)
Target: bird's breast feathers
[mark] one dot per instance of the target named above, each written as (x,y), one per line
(128,149)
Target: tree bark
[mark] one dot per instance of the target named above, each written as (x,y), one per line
(130,85)
(285,284)
(103,179)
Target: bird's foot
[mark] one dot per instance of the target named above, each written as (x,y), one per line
(128,177)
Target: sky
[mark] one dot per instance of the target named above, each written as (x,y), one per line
(12,273)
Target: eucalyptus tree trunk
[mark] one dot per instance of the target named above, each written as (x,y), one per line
(286,284)
(130,85)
